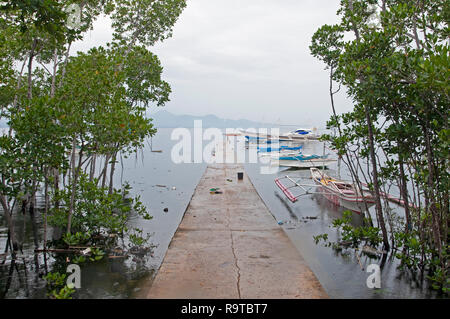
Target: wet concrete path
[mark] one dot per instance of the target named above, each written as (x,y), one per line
(228,245)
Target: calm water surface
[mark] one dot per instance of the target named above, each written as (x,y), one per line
(163,184)
(340,273)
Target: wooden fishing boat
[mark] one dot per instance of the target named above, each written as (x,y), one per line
(343,193)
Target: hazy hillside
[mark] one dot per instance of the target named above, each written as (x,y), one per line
(164,118)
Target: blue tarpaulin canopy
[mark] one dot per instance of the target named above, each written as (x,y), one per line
(277,149)
(301,157)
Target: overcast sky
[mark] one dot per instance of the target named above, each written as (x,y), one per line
(245,59)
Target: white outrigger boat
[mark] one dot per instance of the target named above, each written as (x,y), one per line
(298,135)
(274,152)
(281,148)
(339,192)
(278,153)
(301,160)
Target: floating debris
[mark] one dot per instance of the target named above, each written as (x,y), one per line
(117,256)
(345,243)
(371,251)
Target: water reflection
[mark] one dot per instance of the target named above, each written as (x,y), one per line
(165,189)
(342,272)
(111,277)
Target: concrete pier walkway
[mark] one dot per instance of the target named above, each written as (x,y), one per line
(229,246)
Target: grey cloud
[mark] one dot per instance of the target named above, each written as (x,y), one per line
(245,59)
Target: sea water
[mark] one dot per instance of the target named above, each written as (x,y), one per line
(166,188)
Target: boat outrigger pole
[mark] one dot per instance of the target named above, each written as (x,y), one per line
(287,189)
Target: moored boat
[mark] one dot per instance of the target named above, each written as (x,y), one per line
(343,193)
(302,161)
(278,149)
(301,135)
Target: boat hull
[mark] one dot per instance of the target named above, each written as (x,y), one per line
(283,137)
(345,198)
(321,162)
(357,206)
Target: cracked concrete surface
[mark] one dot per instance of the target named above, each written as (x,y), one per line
(229,246)
(238,281)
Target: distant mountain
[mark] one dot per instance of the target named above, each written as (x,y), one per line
(165,119)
